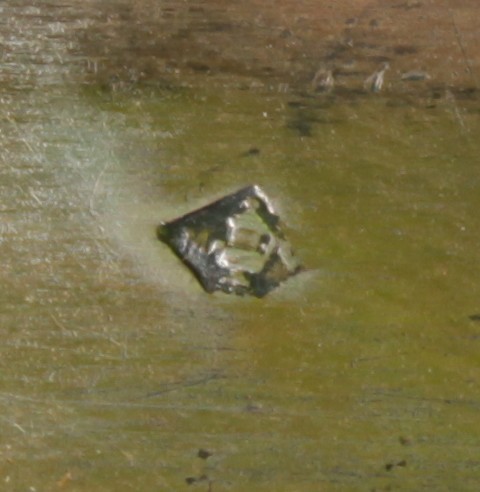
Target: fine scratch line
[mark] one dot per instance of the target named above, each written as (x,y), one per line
(462,49)
(185,384)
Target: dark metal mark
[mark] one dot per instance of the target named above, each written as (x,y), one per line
(474,317)
(234,244)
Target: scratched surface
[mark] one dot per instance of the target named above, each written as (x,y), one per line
(117,371)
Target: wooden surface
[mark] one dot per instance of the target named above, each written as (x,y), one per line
(285,43)
(117,371)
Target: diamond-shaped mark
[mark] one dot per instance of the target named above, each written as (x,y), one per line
(235,244)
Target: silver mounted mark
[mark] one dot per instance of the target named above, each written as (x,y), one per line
(234,244)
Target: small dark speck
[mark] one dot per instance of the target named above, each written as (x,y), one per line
(405,441)
(302,126)
(391,466)
(198,66)
(253,407)
(295,104)
(204,454)
(374,23)
(252,151)
(474,317)
(405,49)
(192,480)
